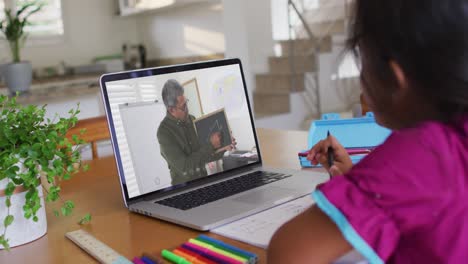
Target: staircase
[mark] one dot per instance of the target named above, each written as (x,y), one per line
(273,89)
(294,74)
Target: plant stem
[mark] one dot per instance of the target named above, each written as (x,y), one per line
(8,213)
(15,50)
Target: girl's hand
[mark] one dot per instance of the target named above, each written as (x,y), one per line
(318,154)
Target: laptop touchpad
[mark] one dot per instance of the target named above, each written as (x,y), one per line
(264,195)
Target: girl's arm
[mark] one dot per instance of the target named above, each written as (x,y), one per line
(310,237)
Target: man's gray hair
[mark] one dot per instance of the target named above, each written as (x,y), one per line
(171,90)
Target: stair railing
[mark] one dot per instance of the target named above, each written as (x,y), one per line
(318,42)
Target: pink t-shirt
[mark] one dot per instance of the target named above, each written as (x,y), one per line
(406,202)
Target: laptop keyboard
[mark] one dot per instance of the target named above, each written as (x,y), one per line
(221,190)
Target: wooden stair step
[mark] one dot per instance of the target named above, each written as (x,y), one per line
(271,104)
(326,13)
(279,83)
(331,3)
(305,46)
(302,64)
(325,29)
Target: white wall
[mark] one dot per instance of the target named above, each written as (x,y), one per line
(280,26)
(248,33)
(90,106)
(91,27)
(191,30)
(339,79)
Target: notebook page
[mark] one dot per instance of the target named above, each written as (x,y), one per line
(258,229)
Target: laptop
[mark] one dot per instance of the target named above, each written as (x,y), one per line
(186,148)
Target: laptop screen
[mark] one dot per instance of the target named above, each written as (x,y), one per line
(175,125)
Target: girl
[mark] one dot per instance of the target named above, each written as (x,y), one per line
(406,201)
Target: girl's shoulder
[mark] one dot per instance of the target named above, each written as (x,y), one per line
(433,136)
(433,149)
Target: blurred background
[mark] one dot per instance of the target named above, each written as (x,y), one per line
(292,51)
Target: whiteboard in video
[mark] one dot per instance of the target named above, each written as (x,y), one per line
(141,121)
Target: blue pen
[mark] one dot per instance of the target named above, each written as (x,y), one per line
(146,260)
(227,246)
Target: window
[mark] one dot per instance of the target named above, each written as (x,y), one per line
(47,22)
(2,7)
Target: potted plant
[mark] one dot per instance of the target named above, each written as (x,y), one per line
(18,74)
(30,146)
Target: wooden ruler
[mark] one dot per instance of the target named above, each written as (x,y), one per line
(100,251)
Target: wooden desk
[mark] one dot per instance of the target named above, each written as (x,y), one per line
(98,192)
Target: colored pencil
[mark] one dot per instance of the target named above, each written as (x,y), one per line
(190,258)
(219,251)
(228,247)
(195,255)
(209,254)
(137,260)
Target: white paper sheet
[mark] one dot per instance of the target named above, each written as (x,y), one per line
(258,229)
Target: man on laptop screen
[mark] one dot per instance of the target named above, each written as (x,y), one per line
(159,133)
(178,140)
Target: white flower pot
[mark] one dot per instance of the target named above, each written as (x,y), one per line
(18,76)
(22,230)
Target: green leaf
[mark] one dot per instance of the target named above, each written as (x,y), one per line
(65,211)
(36,147)
(27,214)
(56,213)
(85,219)
(10,136)
(67,208)
(35,218)
(4,242)
(8,220)
(69,204)
(58,164)
(29,162)
(53,194)
(53,134)
(85,167)
(17,181)
(12,171)
(30,194)
(67,176)
(8,202)
(9,189)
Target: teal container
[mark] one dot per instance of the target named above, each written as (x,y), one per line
(351,133)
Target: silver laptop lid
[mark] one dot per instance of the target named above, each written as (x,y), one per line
(174,126)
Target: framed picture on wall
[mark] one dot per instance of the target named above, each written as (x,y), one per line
(212,123)
(192,93)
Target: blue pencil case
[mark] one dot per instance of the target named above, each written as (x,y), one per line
(360,132)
